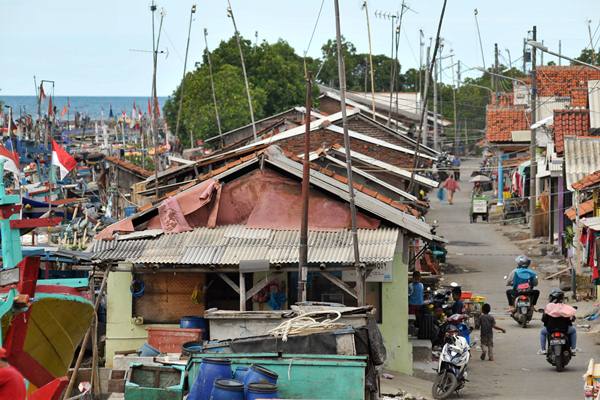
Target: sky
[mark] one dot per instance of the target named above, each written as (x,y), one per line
(86,47)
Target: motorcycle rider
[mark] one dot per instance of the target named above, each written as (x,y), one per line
(558,324)
(519,275)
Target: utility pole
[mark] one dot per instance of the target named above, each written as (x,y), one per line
(237,38)
(303,256)
(496,70)
(153,121)
(559,53)
(212,86)
(366,7)
(542,56)
(475,13)
(187,47)
(458,80)
(524,56)
(509,59)
(435,106)
(454,87)
(424,124)
(360,273)
(421,44)
(392,69)
(532,144)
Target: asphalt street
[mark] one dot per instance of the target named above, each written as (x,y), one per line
(482,257)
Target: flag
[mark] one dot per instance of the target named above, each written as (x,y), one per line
(63,160)
(133,112)
(50,107)
(42,94)
(64,111)
(11,160)
(149,108)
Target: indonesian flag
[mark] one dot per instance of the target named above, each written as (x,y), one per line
(42,94)
(62,159)
(11,158)
(149,107)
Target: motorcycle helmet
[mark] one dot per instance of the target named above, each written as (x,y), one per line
(451,333)
(523,261)
(556,296)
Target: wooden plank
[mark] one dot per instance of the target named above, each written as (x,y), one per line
(260,285)
(35,222)
(230,282)
(339,283)
(242,292)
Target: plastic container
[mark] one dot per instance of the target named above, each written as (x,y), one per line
(227,389)
(259,374)
(240,373)
(194,322)
(190,348)
(262,391)
(465,295)
(130,210)
(148,351)
(211,369)
(171,340)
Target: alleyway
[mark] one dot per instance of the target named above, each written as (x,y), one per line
(485,257)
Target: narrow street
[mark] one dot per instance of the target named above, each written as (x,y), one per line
(485,256)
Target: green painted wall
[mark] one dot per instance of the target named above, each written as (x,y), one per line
(121,331)
(395,315)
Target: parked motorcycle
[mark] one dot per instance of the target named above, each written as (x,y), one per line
(523,305)
(558,350)
(452,365)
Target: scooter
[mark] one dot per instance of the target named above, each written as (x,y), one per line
(457,320)
(558,350)
(523,307)
(452,367)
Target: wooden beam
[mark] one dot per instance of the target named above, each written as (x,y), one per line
(242,292)
(260,286)
(230,282)
(339,283)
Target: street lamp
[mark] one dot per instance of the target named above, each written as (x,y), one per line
(500,75)
(545,49)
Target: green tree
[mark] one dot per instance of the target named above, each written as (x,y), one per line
(589,56)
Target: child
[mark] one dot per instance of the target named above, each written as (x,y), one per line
(488,324)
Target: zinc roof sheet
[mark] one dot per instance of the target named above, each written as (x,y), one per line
(228,245)
(594,100)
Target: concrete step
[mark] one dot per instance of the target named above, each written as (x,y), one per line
(421,350)
(424,370)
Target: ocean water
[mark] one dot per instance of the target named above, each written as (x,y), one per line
(93,106)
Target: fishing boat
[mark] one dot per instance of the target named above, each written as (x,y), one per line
(43,321)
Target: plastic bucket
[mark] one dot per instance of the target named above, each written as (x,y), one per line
(262,391)
(130,210)
(148,351)
(211,369)
(259,374)
(193,322)
(190,348)
(227,389)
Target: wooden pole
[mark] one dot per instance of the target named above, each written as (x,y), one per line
(212,87)
(303,256)
(366,5)
(360,275)
(69,388)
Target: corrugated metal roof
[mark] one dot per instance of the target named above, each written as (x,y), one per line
(594,98)
(582,157)
(228,245)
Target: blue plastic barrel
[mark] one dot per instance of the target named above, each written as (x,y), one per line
(259,374)
(227,389)
(211,369)
(240,373)
(148,351)
(130,210)
(194,322)
(262,391)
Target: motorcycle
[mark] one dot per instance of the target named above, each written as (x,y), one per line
(523,307)
(559,350)
(452,367)
(457,320)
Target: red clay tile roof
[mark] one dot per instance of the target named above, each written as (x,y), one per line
(584,208)
(130,166)
(587,181)
(560,80)
(570,122)
(503,100)
(501,121)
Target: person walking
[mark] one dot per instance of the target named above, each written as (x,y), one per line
(456,167)
(451,185)
(487,325)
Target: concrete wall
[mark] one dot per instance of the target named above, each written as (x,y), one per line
(395,315)
(121,331)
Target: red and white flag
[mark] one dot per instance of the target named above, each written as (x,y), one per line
(63,160)
(11,158)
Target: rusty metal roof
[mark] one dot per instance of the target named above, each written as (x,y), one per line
(231,244)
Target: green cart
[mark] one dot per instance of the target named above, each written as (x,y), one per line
(479,208)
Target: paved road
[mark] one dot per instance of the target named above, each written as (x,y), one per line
(485,256)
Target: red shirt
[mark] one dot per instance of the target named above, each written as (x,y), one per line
(12,384)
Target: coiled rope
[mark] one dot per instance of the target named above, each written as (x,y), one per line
(305,324)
